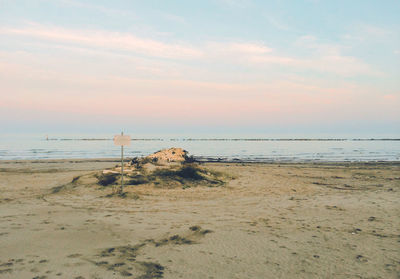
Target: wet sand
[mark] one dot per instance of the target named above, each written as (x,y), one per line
(337,220)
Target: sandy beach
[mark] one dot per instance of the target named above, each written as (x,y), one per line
(292,220)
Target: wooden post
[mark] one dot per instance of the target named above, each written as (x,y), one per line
(122,167)
(122,140)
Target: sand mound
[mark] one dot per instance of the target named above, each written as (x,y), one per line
(171,176)
(169,155)
(167,168)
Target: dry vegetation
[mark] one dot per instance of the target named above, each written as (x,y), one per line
(172,169)
(170,176)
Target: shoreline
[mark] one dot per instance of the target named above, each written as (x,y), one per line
(228,139)
(203,160)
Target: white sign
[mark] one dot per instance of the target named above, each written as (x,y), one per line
(122,140)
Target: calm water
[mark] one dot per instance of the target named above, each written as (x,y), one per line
(31,147)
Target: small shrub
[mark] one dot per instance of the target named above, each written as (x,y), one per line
(190,172)
(195,228)
(137,180)
(75,179)
(106,179)
(189,159)
(124,195)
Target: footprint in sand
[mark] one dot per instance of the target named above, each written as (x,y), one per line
(122,259)
(74,256)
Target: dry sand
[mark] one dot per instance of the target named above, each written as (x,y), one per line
(272,221)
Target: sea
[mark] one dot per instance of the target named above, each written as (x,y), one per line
(206,148)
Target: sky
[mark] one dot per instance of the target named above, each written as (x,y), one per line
(213,66)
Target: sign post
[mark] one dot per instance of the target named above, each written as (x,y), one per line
(122,140)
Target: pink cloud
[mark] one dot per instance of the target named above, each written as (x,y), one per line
(327,58)
(391,97)
(90,81)
(337,64)
(238,48)
(181,100)
(105,39)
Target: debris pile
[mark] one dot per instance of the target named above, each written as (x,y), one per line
(167,168)
(169,155)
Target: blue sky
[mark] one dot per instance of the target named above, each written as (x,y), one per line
(298,67)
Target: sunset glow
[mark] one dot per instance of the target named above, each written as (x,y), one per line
(215,64)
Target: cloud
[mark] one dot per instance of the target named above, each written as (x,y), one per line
(37,88)
(248,48)
(106,39)
(391,97)
(312,43)
(323,57)
(364,32)
(331,63)
(373,30)
(236,48)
